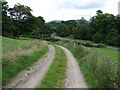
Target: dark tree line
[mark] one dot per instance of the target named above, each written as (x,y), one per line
(103,28)
(18,21)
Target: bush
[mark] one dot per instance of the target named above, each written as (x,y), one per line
(101,45)
(112,38)
(88,44)
(98,38)
(52,39)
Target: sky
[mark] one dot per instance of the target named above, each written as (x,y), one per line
(68,9)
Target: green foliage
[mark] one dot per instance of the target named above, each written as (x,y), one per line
(8,26)
(52,39)
(63,30)
(56,74)
(87,44)
(112,38)
(19,12)
(98,37)
(101,45)
(105,29)
(7,23)
(81,31)
(54,24)
(66,28)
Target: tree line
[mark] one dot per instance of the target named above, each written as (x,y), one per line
(101,28)
(19,21)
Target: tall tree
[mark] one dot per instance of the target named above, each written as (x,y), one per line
(83,21)
(19,13)
(63,30)
(7,23)
(99,12)
(81,31)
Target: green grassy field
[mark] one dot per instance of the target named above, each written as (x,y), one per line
(20,54)
(56,74)
(9,44)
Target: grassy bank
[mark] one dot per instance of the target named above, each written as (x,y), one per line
(15,60)
(9,44)
(56,74)
(99,70)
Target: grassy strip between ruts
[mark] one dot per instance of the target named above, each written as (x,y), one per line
(99,71)
(56,74)
(11,70)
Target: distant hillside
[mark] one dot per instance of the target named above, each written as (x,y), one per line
(55,23)
(79,21)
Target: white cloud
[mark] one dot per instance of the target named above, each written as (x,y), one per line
(68,9)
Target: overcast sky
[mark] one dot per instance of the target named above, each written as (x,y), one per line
(68,9)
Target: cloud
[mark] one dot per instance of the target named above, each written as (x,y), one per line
(82,5)
(68,9)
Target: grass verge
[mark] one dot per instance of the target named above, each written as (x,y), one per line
(99,71)
(56,74)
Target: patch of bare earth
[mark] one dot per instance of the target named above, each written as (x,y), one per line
(31,77)
(74,77)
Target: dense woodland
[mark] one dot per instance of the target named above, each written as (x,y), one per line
(19,21)
(102,28)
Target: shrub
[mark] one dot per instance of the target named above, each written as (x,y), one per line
(98,37)
(52,39)
(112,38)
(101,45)
(88,44)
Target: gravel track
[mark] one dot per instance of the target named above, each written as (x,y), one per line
(32,76)
(74,78)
